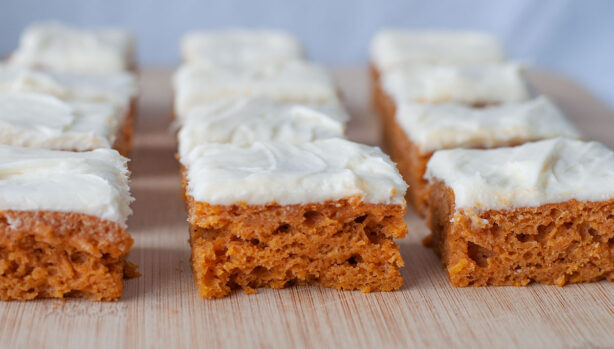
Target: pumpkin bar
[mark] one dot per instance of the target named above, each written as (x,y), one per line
(63,224)
(240,46)
(118,89)
(55,46)
(418,130)
(243,121)
(43,121)
(397,48)
(279,214)
(288,82)
(540,212)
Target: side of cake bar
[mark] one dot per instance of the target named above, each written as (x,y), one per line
(277,214)
(63,224)
(540,212)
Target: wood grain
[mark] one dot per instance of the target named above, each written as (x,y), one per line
(162,308)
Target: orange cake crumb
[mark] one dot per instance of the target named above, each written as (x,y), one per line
(555,243)
(46,254)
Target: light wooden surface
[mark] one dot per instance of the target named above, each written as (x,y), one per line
(162,309)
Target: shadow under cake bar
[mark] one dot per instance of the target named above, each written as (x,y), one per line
(63,224)
(118,89)
(420,129)
(540,212)
(239,47)
(58,47)
(277,214)
(243,121)
(290,82)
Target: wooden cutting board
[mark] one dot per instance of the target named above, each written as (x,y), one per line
(162,308)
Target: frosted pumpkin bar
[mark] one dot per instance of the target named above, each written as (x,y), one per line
(63,224)
(243,121)
(541,212)
(418,130)
(118,89)
(395,48)
(240,46)
(288,82)
(278,214)
(58,47)
(42,121)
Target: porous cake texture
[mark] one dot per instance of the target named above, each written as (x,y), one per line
(540,212)
(63,224)
(278,214)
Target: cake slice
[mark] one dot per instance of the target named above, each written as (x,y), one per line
(290,82)
(59,47)
(118,89)
(540,212)
(418,130)
(277,214)
(240,46)
(244,121)
(63,224)
(396,48)
(43,121)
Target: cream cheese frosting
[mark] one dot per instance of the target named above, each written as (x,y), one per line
(58,47)
(43,121)
(116,88)
(239,46)
(451,125)
(93,183)
(292,82)
(283,173)
(392,48)
(530,175)
(470,84)
(247,120)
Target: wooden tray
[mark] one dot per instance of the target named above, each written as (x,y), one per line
(162,308)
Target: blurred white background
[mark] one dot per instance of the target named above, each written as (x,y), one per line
(571,37)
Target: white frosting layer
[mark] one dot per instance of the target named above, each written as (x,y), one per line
(450,125)
(239,46)
(470,84)
(116,88)
(292,82)
(395,48)
(267,172)
(529,175)
(58,47)
(93,183)
(248,120)
(44,121)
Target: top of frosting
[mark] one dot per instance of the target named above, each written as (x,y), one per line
(244,121)
(283,173)
(116,88)
(93,183)
(44,121)
(239,46)
(470,84)
(392,48)
(452,125)
(530,175)
(59,47)
(291,81)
